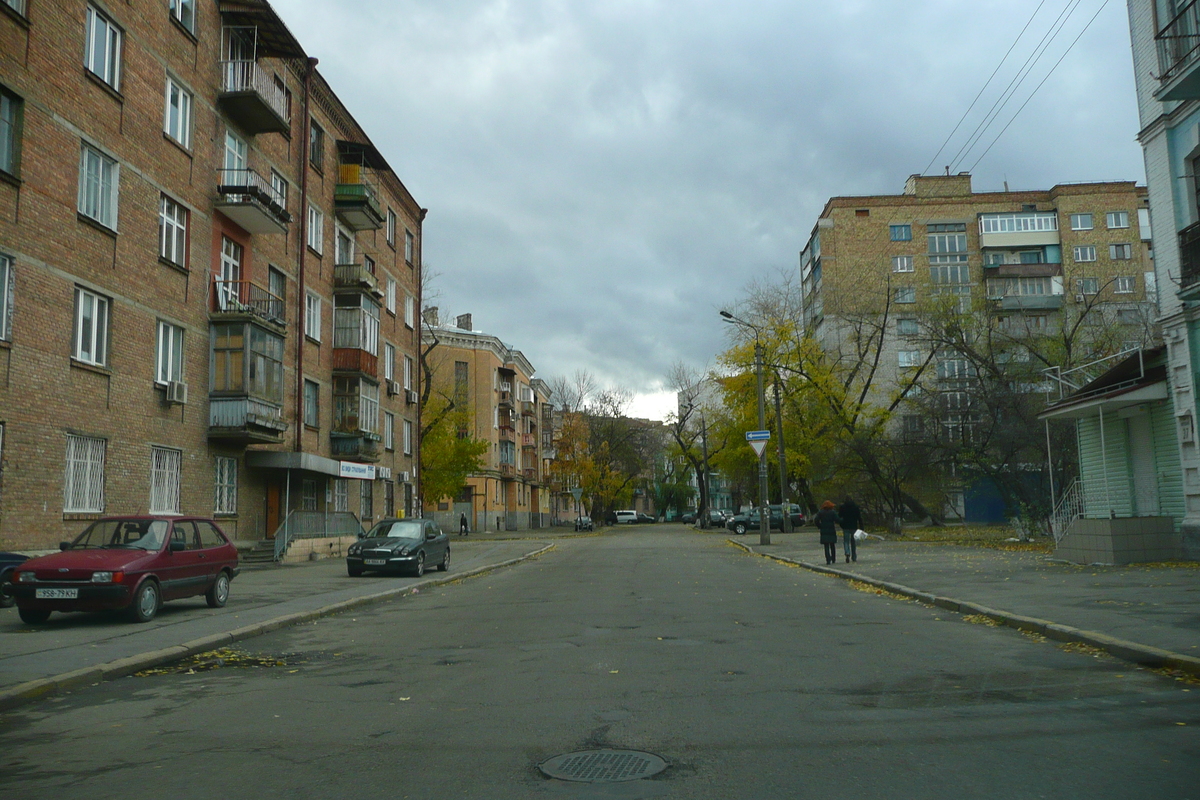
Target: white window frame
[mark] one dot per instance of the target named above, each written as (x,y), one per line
(7,286)
(389,430)
(279,189)
(368,407)
(168,353)
(102,47)
(408,372)
(184,11)
(1116,220)
(410,315)
(312,420)
(907,322)
(316,229)
(93,318)
(905,294)
(225,485)
(1078,223)
(312,316)
(172,231)
(166,468)
(1120,252)
(389,361)
(83,478)
(903,264)
(177,114)
(390,296)
(343,253)
(908,358)
(1084,253)
(408,430)
(99,186)
(391,227)
(1087,285)
(1123,284)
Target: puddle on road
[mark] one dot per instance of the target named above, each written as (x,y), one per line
(226,657)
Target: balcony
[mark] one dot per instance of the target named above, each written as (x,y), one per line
(352,360)
(355,277)
(251,201)
(355,199)
(506,399)
(245,420)
(355,446)
(508,471)
(507,434)
(1040,270)
(529,441)
(530,474)
(1178,45)
(527,409)
(1189,258)
(239,299)
(1039,302)
(1024,229)
(250,98)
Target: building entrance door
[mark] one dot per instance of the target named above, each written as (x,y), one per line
(273,509)
(1145,475)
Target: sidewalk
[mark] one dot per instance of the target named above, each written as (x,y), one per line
(74,650)
(1147,614)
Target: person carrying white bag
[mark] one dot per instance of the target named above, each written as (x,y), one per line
(851,517)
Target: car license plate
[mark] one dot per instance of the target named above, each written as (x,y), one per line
(56,594)
(375,562)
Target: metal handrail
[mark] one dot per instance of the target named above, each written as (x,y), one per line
(248,182)
(1178,42)
(1076,502)
(247,296)
(245,76)
(314,525)
(1074,384)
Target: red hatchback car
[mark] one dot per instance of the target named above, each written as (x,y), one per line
(132,563)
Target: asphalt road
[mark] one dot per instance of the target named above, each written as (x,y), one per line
(750,678)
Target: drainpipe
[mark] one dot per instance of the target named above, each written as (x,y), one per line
(301,286)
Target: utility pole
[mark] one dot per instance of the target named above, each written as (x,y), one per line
(783,482)
(764,518)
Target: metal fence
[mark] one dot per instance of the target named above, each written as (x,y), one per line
(314,525)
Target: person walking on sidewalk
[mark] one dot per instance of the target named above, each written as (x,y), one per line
(463,530)
(851,518)
(827,522)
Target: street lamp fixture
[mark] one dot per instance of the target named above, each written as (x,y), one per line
(764,513)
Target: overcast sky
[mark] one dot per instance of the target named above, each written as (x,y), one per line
(603,177)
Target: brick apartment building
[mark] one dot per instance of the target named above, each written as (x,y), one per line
(511,411)
(209,276)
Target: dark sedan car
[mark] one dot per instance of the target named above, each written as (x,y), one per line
(584,524)
(645,519)
(400,545)
(132,563)
(750,520)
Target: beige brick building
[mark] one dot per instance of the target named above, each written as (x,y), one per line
(511,411)
(209,276)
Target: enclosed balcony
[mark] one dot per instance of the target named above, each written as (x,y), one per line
(252,99)
(1189,260)
(251,201)
(353,360)
(355,448)
(1018,229)
(527,409)
(240,299)
(355,335)
(245,420)
(355,278)
(1046,302)
(356,200)
(354,432)
(1178,43)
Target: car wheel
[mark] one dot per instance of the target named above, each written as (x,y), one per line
(419,567)
(354,572)
(740,529)
(445,565)
(218,594)
(33,616)
(145,602)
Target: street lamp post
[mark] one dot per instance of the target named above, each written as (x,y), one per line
(783,482)
(764,513)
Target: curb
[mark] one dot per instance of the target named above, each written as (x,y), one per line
(1141,654)
(41,688)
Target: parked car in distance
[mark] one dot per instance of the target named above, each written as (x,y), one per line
(9,562)
(584,524)
(645,519)
(688,518)
(399,545)
(750,520)
(133,563)
(625,517)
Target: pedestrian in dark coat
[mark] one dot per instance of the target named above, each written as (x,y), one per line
(851,518)
(827,522)
(463,530)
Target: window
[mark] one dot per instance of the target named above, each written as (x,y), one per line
(907,326)
(368,264)
(83,481)
(247,360)
(389,361)
(950,274)
(1084,252)
(410,315)
(947,242)
(165,466)
(229,287)
(11,108)
(408,246)
(1087,285)
(906,294)
(1032,257)
(909,358)
(1019,287)
(389,431)
(366,499)
(955,369)
(172,231)
(91,328)
(98,177)
(902,263)
(312,404)
(1123,285)
(1081,222)
(1117,219)
(177,122)
(356,323)
(225,485)
(461,382)
(1024,222)
(316,145)
(279,190)
(235,156)
(391,227)
(308,495)
(408,372)
(1128,316)
(900,233)
(15,5)
(265,365)
(6,297)
(312,316)
(341,494)
(169,361)
(390,296)
(102,55)
(316,229)
(1120,252)
(408,442)
(184,11)
(277,287)
(343,246)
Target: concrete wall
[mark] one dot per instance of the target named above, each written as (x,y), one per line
(1129,540)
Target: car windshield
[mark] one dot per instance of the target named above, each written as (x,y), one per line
(398,529)
(141,534)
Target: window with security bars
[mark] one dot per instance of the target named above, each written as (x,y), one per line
(366,500)
(83,481)
(341,494)
(225,485)
(389,498)
(165,466)
(308,495)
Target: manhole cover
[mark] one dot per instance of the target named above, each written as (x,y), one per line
(603,766)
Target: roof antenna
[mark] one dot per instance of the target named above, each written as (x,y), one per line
(947,170)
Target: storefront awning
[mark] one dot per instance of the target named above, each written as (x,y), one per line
(307,462)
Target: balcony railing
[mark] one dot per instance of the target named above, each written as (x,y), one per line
(355,276)
(529,440)
(1189,257)
(247,419)
(353,359)
(508,471)
(506,399)
(251,201)
(527,408)
(356,200)
(244,297)
(252,98)
(362,448)
(507,434)
(1179,43)
(529,474)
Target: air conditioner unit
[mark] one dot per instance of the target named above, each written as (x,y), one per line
(176,393)
(410,397)
(393,388)
(1078,298)
(404,477)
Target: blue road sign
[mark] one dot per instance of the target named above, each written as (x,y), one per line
(757,436)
